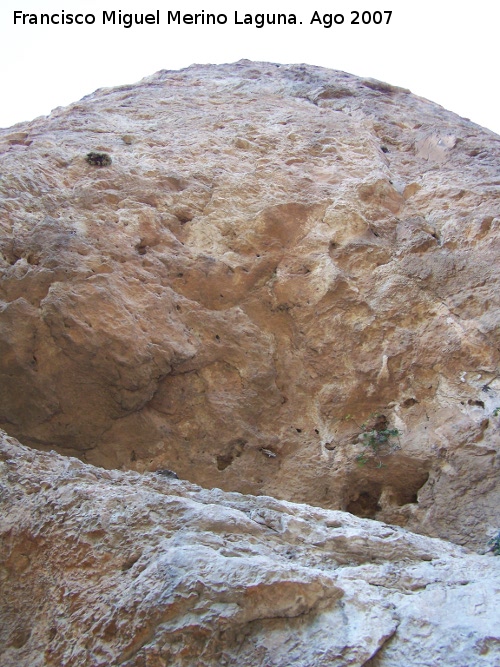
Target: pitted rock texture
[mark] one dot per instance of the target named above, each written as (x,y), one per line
(280,266)
(106,568)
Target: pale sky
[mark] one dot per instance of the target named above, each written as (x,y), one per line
(444,51)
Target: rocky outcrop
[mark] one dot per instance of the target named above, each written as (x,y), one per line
(119,568)
(275,280)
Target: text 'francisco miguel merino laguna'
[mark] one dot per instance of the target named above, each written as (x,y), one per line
(127,20)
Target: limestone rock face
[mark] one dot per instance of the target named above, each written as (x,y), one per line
(285,282)
(106,568)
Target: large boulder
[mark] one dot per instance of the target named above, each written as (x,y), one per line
(104,568)
(271,279)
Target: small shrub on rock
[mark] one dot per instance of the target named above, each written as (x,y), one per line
(98,159)
(494,543)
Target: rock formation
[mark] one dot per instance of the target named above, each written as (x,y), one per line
(116,568)
(274,280)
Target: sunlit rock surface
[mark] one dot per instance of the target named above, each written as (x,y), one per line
(285,283)
(104,568)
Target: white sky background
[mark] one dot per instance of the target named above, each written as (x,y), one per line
(447,52)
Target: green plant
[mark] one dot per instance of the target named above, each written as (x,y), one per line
(362,459)
(98,159)
(374,436)
(496,412)
(494,543)
(375,439)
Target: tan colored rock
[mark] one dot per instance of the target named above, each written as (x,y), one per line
(276,255)
(106,568)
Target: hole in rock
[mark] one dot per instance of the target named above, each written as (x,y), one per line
(479,404)
(365,504)
(184,217)
(409,402)
(403,495)
(380,423)
(235,450)
(384,484)
(224,461)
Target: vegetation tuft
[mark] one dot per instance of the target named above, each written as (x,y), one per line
(374,437)
(98,159)
(494,543)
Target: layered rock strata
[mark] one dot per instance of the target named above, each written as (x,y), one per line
(106,568)
(284,282)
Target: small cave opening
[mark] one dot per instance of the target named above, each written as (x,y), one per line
(380,493)
(234,451)
(365,504)
(224,461)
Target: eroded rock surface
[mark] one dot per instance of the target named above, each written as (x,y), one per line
(276,258)
(106,568)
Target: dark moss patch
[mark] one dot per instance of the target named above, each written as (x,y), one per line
(98,159)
